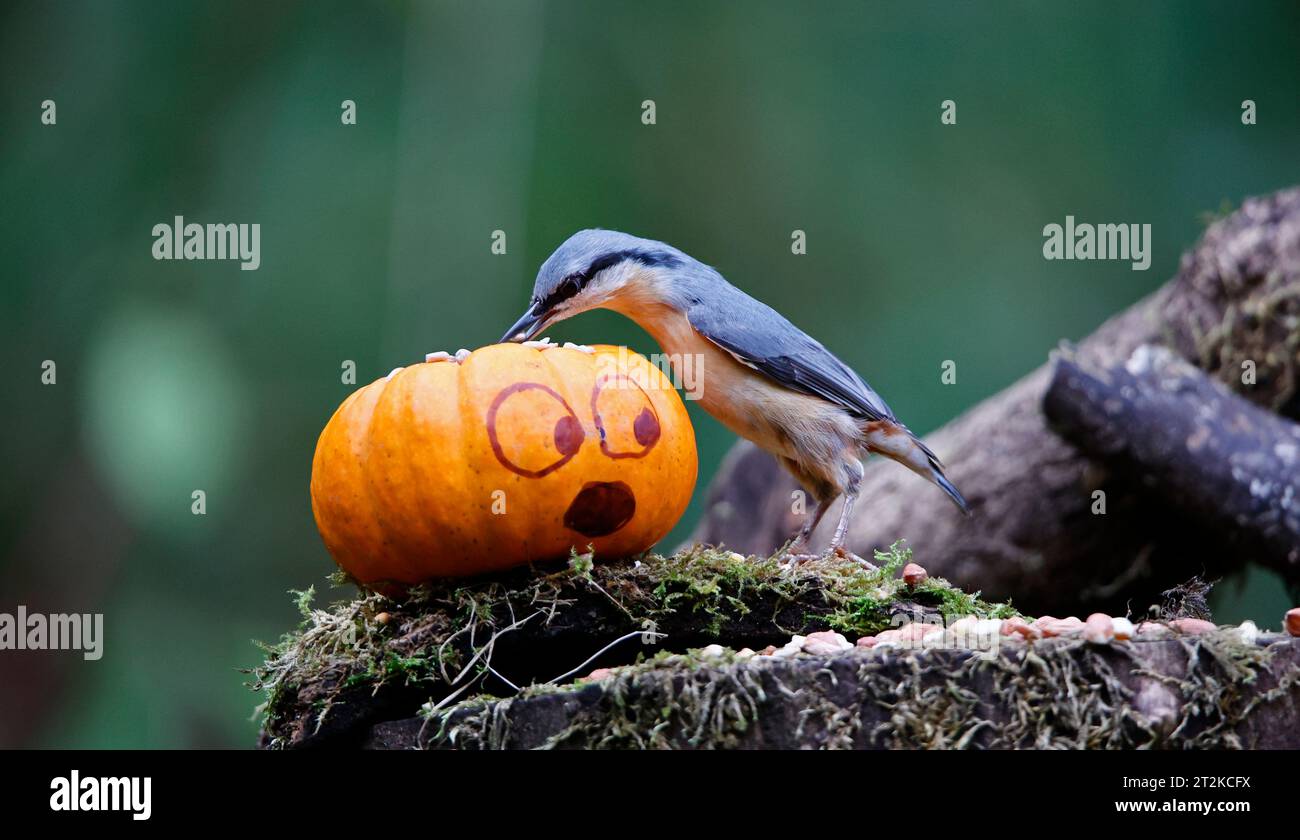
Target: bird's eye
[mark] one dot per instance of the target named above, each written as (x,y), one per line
(568,287)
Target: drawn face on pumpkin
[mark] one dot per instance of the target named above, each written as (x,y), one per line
(601,507)
(508,456)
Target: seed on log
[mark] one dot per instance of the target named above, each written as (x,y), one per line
(1193,626)
(1098,629)
(825,643)
(914,574)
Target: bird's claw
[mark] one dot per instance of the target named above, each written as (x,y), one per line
(797,558)
(844,554)
(792,559)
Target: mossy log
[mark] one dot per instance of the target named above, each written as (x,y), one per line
(373,659)
(1194,692)
(511,662)
(1236,298)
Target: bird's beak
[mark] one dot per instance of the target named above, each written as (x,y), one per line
(532,323)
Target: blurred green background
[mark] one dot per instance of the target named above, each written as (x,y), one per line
(924,244)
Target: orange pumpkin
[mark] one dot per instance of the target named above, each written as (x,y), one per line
(511,455)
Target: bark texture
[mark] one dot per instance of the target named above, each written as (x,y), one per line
(1192,443)
(1184,693)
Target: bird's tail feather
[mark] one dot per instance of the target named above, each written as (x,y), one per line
(940,479)
(896,441)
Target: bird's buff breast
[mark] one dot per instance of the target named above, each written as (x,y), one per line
(779,420)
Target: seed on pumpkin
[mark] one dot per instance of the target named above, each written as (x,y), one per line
(1292,621)
(440,356)
(462,354)
(581,348)
(539,344)
(914,574)
(394,372)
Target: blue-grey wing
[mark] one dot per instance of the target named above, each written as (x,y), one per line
(762,338)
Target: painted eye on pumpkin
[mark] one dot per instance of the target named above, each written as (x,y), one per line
(634,427)
(532,430)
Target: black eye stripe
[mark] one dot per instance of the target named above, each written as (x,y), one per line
(567,289)
(575,282)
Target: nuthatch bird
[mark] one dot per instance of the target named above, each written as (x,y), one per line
(765,379)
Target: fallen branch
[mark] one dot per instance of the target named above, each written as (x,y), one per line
(1165,425)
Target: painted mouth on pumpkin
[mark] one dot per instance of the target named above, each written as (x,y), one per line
(600,508)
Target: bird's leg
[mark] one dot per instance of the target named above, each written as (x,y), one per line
(842,528)
(798,551)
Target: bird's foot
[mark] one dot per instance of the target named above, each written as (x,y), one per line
(844,554)
(790,559)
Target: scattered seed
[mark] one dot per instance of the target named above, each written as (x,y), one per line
(1193,626)
(825,643)
(1098,629)
(1019,628)
(1153,628)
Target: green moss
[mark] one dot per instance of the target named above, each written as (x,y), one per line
(871,604)
(440,638)
(1057,693)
